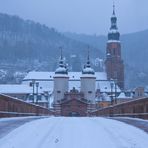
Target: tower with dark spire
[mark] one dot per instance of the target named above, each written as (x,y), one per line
(60,80)
(114,63)
(88,81)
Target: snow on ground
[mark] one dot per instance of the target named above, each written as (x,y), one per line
(20,118)
(60,132)
(130,118)
(7,125)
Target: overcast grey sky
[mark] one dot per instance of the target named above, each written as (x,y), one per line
(81,16)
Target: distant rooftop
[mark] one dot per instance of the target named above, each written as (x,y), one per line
(49,76)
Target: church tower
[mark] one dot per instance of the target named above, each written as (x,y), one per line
(88,82)
(60,81)
(114,63)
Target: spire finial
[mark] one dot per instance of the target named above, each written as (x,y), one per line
(87,67)
(113,7)
(88,54)
(62,69)
(61,52)
(88,58)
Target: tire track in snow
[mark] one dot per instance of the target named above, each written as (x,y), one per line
(121,136)
(48,137)
(63,132)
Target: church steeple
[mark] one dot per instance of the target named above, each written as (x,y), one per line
(113,32)
(88,81)
(114,9)
(114,63)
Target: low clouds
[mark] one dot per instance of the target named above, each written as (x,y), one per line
(82,16)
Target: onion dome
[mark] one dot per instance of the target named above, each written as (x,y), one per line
(62,69)
(87,68)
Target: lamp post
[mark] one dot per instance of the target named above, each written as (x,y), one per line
(115,91)
(50,95)
(37,87)
(32,84)
(112,85)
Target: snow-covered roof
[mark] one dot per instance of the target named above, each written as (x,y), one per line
(45,80)
(43,76)
(11,88)
(20,89)
(122,96)
(39,75)
(106,97)
(105,86)
(74,81)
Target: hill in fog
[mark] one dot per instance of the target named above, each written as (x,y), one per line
(134,53)
(26,40)
(26,45)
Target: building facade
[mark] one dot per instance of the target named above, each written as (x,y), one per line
(74,102)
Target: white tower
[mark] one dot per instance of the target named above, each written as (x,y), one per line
(88,82)
(60,81)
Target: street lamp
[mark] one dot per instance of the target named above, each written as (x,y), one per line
(112,85)
(32,84)
(50,95)
(115,91)
(37,87)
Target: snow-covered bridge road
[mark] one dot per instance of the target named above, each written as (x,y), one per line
(142,124)
(9,124)
(75,133)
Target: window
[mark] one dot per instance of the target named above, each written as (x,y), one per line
(31,97)
(39,97)
(58,91)
(89,92)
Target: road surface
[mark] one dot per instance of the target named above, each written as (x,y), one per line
(142,124)
(9,124)
(60,132)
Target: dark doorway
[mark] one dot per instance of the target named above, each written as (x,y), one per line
(74,114)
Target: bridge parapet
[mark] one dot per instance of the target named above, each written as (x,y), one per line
(134,108)
(12,107)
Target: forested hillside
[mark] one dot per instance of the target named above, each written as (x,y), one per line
(20,39)
(134,53)
(26,45)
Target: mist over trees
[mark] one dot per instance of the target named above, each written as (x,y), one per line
(134,54)
(26,45)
